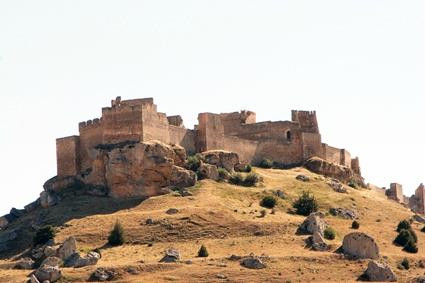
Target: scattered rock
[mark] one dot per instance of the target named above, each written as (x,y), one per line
(360,246)
(420,279)
(253,263)
(343,213)
(337,187)
(280,194)
(318,242)
(52,261)
(221,276)
(50,251)
(379,272)
(314,223)
(221,158)
(33,279)
(48,273)
(68,248)
(149,221)
(234,258)
(172,211)
(184,192)
(303,178)
(208,171)
(77,261)
(25,263)
(171,255)
(38,252)
(104,274)
(418,218)
(240,167)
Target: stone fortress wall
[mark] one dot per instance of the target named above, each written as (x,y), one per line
(286,142)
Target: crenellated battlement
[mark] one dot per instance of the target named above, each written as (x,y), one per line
(90,124)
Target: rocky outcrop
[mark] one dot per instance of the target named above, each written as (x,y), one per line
(332,170)
(140,170)
(52,261)
(343,213)
(171,255)
(317,242)
(253,262)
(208,171)
(360,246)
(25,263)
(221,158)
(78,261)
(379,272)
(48,273)
(314,223)
(7,239)
(68,248)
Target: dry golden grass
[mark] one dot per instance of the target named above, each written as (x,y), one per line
(225,218)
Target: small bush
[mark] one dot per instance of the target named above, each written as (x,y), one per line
(248,168)
(423,230)
(305,204)
(223,174)
(403,225)
(236,179)
(116,236)
(404,237)
(268,202)
(266,163)
(203,252)
(251,180)
(193,162)
(329,233)
(352,184)
(405,263)
(43,235)
(411,247)
(355,225)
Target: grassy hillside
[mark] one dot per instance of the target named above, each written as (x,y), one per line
(225,218)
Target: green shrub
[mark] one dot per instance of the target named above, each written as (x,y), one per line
(329,233)
(43,235)
(411,247)
(404,237)
(251,180)
(268,202)
(352,184)
(405,263)
(266,163)
(193,162)
(223,174)
(403,225)
(305,204)
(248,168)
(355,225)
(203,252)
(236,179)
(116,236)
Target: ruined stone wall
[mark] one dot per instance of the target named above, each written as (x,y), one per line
(210,132)
(345,158)
(355,166)
(184,137)
(91,134)
(246,149)
(395,192)
(307,120)
(311,145)
(155,124)
(331,154)
(68,163)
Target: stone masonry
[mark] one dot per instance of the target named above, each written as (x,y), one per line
(137,120)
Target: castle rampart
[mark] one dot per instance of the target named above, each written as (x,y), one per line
(286,142)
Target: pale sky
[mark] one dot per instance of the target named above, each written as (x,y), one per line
(359,64)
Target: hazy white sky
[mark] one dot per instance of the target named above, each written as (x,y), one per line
(360,64)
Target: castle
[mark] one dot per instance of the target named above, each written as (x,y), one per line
(285,142)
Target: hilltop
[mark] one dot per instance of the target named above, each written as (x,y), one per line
(226,219)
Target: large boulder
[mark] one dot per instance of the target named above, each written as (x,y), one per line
(171,255)
(60,183)
(379,272)
(77,261)
(336,171)
(221,158)
(314,223)
(253,262)
(52,261)
(139,170)
(318,243)
(48,273)
(25,263)
(208,171)
(68,248)
(359,245)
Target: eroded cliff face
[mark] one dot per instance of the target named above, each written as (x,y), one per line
(140,170)
(130,170)
(332,170)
